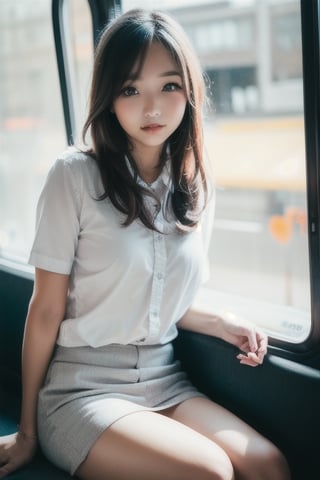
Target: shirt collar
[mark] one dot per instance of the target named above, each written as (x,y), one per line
(163,179)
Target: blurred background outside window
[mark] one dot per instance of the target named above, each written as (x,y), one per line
(250,51)
(32,131)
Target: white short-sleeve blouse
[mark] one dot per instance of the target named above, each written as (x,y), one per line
(128,285)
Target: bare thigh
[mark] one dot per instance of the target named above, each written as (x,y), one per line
(152,446)
(252,455)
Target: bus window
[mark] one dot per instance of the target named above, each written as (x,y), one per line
(32,129)
(31,119)
(254,134)
(80,58)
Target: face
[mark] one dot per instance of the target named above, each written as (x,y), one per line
(151,107)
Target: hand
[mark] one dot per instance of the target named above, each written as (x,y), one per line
(251,340)
(16,450)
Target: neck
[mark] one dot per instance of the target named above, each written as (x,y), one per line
(149,176)
(148,164)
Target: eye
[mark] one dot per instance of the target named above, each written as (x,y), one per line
(171,87)
(129,91)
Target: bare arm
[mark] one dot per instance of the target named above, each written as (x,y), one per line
(46,311)
(251,340)
(200,322)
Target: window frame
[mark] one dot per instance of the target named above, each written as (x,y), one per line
(310,20)
(103,10)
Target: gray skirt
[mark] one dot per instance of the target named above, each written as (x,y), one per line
(87,389)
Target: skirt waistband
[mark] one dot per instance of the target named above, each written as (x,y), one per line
(117,355)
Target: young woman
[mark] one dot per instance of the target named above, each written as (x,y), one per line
(119,255)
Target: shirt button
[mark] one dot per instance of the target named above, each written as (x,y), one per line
(159,276)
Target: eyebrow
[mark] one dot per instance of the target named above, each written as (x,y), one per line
(170,73)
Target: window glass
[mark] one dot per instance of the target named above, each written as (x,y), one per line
(251,53)
(31,120)
(80,59)
(32,131)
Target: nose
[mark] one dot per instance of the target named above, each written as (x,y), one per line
(152,108)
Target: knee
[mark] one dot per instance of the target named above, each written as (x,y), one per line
(278,465)
(266,462)
(217,469)
(223,471)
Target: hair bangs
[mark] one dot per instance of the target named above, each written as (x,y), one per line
(132,48)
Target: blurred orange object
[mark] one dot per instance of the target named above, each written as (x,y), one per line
(280,228)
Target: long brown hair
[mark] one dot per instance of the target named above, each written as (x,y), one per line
(122,44)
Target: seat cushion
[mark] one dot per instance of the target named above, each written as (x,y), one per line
(39,468)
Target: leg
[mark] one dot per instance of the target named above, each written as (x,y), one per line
(253,456)
(150,446)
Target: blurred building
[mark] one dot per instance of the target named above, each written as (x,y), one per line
(251,52)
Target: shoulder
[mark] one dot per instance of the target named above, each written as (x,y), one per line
(78,171)
(75,160)
(76,168)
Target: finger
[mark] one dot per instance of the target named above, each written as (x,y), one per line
(244,347)
(3,459)
(250,345)
(263,341)
(263,345)
(249,335)
(262,353)
(251,359)
(5,470)
(252,339)
(9,467)
(254,357)
(248,362)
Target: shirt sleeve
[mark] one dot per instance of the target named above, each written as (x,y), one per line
(57,220)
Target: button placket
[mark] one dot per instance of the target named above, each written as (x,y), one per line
(160,259)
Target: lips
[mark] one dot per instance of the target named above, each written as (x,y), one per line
(152,127)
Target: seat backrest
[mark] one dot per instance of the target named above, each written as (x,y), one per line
(15,292)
